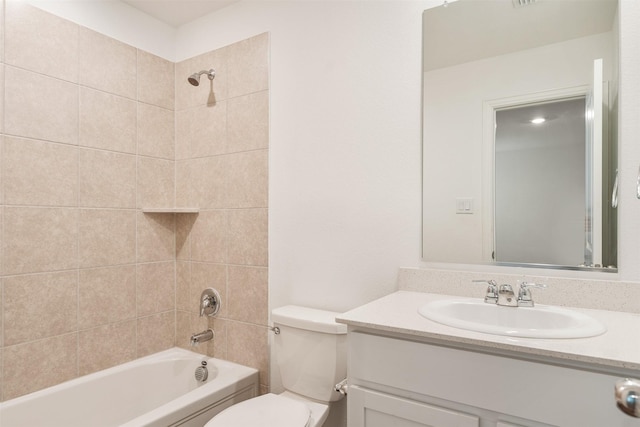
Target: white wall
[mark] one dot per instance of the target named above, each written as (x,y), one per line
(344,145)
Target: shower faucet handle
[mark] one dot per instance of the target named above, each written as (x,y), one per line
(210,302)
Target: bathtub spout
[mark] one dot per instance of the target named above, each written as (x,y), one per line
(201,337)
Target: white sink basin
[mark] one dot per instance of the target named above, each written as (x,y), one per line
(527,322)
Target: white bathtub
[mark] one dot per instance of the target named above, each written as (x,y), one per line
(158,390)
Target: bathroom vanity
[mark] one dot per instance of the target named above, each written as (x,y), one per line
(406,371)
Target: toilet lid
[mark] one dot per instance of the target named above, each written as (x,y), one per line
(267,410)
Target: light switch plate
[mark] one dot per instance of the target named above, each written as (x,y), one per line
(464,205)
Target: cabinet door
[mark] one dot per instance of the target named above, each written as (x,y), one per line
(367,408)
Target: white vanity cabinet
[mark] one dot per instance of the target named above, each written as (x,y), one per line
(401,382)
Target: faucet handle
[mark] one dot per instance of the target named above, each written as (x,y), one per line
(532,285)
(491,296)
(524,294)
(210,302)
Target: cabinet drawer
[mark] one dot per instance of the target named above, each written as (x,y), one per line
(369,408)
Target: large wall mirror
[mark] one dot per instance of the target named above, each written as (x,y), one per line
(520,133)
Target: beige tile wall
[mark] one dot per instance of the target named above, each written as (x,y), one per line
(92,130)
(87,279)
(222,149)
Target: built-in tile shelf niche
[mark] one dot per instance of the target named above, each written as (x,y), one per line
(171,210)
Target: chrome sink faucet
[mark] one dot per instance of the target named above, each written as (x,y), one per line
(505,296)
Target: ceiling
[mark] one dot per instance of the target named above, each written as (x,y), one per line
(469,30)
(178,12)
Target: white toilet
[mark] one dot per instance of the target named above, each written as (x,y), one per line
(311,352)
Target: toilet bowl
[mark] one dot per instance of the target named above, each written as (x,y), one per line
(282,410)
(310,349)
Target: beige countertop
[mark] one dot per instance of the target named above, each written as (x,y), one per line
(397,314)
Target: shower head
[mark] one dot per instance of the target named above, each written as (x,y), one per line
(194,78)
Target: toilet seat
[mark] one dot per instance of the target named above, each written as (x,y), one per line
(264,411)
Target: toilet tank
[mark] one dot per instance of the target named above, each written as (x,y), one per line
(311,351)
